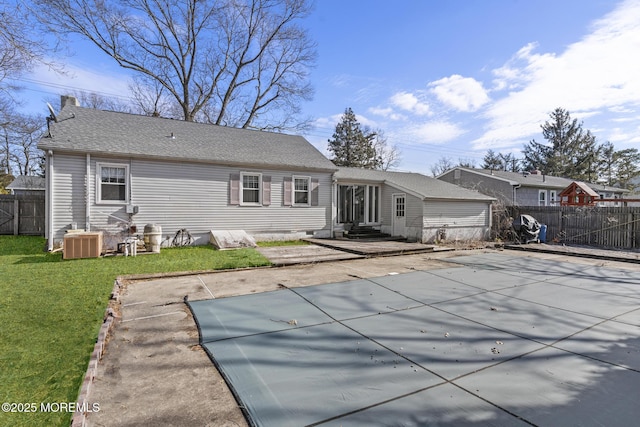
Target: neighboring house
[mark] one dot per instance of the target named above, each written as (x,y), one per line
(24,185)
(523,188)
(107,171)
(411,205)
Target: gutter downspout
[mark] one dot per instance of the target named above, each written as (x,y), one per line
(87,195)
(49,200)
(515,187)
(333,204)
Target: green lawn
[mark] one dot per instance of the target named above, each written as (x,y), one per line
(51,311)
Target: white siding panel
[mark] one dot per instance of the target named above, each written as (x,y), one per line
(385,205)
(68,194)
(413,207)
(449,221)
(451,214)
(414,211)
(195,196)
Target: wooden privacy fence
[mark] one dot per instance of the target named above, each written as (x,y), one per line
(22,215)
(611,227)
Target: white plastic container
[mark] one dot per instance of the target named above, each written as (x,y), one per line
(152,237)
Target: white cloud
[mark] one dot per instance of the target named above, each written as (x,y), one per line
(435,132)
(388,113)
(462,93)
(410,102)
(596,75)
(521,68)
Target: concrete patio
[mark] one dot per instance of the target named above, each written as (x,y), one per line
(515,342)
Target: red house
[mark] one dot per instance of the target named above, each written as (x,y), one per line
(578,194)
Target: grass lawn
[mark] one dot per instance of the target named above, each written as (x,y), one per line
(51,311)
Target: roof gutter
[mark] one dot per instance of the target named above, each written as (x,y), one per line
(228,163)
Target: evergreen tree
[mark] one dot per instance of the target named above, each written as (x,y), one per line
(606,163)
(627,167)
(352,146)
(499,161)
(492,161)
(510,163)
(570,151)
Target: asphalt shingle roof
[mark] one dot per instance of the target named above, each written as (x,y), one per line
(421,185)
(539,180)
(25,182)
(105,132)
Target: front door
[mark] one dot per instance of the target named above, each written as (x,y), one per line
(399,206)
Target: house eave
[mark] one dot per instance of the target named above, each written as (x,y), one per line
(252,165)
(486,175)
(458,199)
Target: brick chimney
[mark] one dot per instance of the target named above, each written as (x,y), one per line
(68,100)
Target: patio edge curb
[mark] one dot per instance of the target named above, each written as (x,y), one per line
(79,419)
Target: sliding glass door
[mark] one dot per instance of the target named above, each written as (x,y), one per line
(358,204)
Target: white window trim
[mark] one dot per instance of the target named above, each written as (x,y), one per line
(553,198)
(377,207)
(242,202)
(127,183)
(394,198)
(542,192)
(376,204)
(293,190)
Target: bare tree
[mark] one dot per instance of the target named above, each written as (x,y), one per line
(19,153)
(466,163)
(441,166)
(102,102)
(19,50)
(388,156)
(150,98)
(243,62)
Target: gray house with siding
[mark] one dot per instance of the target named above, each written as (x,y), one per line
(521,188)
(108,171)
(411,205)
(27,185)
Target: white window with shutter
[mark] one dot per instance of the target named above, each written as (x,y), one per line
(250,189)
(301,191)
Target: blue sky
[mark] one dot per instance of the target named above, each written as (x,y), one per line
(447,78)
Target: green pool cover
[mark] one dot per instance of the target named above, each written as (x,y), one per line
(497,340)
